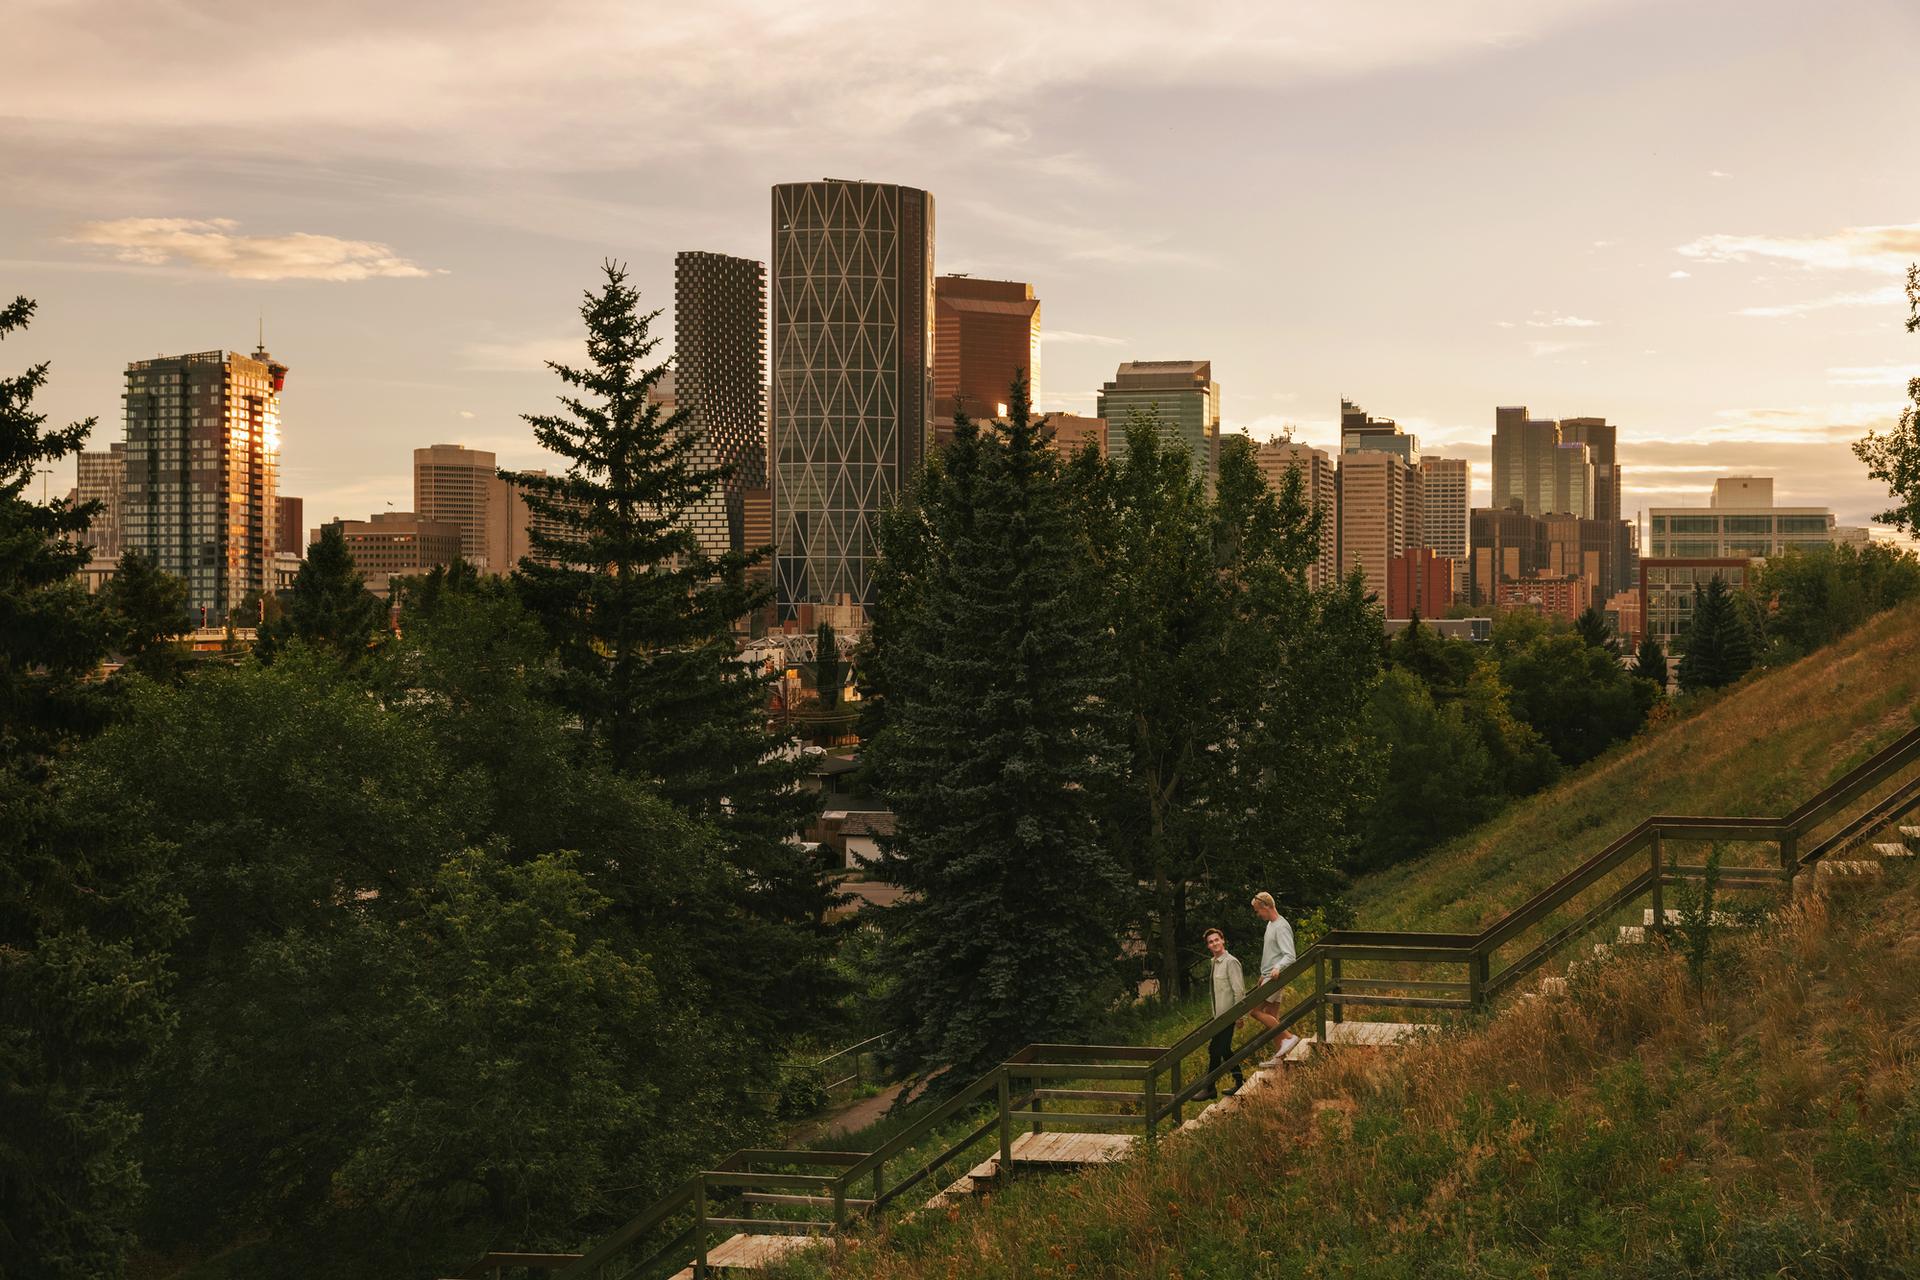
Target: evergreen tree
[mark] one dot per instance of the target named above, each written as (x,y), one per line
(1719,642)
(1650,661)
(1894,458)
(149,611)
(998,739)
(641,619)
(81,995)
(1591,626)
(829,672)
(329,607)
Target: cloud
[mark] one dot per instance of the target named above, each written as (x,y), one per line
(1879,375)
(213,244)
(1887,248)
(1539,348)
(1067,336)
(466,413)
(1889,296)
(1679,275)
(1718,173)
(1562,322)
(524,355)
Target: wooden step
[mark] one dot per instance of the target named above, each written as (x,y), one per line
(1374,1035)
(1719,919)
(1632,935)
(1911,835)
(1847,869)
(1888,849)
(750,1253)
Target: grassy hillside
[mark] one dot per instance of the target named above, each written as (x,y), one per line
(1768,1124)
(1760,749)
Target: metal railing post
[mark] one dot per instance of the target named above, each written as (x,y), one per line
(1479,968)
(1320,998)
(700,1228)
(1151,1102)
(839,1203)
(1339,1015)
(1659,895)
(1789,857)
(1006,1128)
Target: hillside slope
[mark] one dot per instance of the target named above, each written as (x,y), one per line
(1760,750)
(1766,1124)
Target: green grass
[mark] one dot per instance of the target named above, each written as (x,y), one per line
(1765,1124)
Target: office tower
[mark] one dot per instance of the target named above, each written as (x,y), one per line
(1319,488)
(511,524)
(292,528)
(1602,441)
(1444,486)
(852,379)
(985,334)
(1379,514)
(1184,398)
(1419,581)
(1523,459)
(399,544)
(1359,433)
(1506,545)
(203,448)
(103,479)
(1073,432)
(1572,481)
(450,486)
(720,376)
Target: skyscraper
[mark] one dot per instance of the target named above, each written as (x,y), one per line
(1184,398)
(1573,481)
(985,334)
(852,378)
(103,479)
(292,526)
(1602,440)
(720,376)
(203,449)
(1379,513)
(1523,459)
(451,484)
(1319,488)
(1443,508)
(1358,433)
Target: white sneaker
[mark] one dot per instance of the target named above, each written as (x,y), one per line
(1287,1045)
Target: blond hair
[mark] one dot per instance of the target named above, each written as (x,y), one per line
(1264,899)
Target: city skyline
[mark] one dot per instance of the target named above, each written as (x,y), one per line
(1747,320)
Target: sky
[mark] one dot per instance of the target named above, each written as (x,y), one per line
(1691,218)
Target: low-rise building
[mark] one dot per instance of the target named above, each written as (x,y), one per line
(1667,586)
(1419,580)
(398,544)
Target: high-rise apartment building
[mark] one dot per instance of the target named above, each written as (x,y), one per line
(852,390)
(720,378)
(1319,488)
(1180,395)
(1379,514)
(451,484)
(1444,490)
(203,461)
(103,479)
(985,334)
(1523,459)
(292,526)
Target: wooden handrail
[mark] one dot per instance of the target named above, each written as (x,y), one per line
(1147,1064)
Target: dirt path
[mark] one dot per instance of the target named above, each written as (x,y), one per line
(849,1117)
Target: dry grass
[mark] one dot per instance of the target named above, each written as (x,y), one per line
(1767,1124)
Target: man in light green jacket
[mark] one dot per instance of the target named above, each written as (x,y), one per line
(1229,988)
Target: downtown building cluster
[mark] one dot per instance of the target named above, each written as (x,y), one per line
(820,380)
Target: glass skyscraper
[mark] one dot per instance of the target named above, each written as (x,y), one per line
(852,389)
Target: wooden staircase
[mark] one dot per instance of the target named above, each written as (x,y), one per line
(711,1224)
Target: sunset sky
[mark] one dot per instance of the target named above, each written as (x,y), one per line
(1691,218)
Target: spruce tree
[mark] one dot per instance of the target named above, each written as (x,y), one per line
(1650,661)
(1719,642)
(641,620)
(329,606)
(149,611)
(1591,626)
(81,990)
(829,672)
(997,743)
